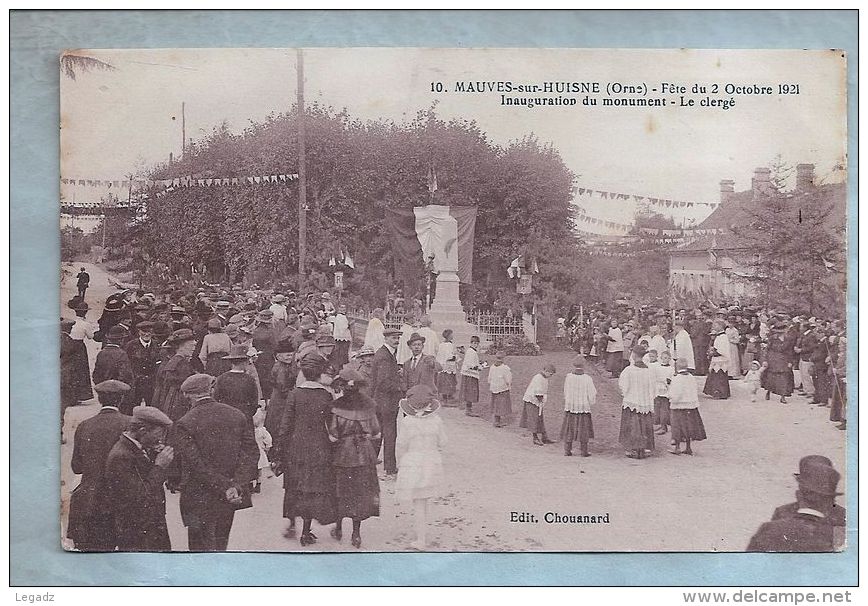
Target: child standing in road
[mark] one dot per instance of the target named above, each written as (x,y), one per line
(663,373)
(684,403)
(579,396)
(499,383)
(753,379)
(534,400)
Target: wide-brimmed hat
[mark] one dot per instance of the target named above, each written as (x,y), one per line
(326,295)
(278,299)
(324,340)
(236,352)
(391,332)
(351,376)
(231,330)
(421,400)
(818,477)
(265,315)
(415,337)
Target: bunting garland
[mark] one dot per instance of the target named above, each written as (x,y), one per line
(182,181)
(608,195)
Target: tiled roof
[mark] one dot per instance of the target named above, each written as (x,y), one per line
(738,211)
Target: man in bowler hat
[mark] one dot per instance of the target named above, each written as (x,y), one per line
(809,529)
(112,362)
(420,369)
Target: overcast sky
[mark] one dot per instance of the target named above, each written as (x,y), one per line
(113,122)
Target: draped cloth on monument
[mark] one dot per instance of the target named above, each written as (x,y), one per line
(444,231)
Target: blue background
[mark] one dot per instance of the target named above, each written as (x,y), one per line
(37,39)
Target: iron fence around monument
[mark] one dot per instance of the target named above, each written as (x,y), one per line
(490,324)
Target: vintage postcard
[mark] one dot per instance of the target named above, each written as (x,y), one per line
(477,299)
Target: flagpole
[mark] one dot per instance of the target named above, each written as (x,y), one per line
(302,177)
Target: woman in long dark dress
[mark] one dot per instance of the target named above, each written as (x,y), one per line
(305,452)
(717,381)
(353,428)
(265,343)
(779,372)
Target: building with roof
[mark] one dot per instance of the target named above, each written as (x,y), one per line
(709,266)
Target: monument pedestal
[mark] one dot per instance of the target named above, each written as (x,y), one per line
(446,312)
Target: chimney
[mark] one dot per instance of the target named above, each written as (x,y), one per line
(761,184)
(727,188)
(804,177)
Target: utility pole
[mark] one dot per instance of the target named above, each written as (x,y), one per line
(183,129)
(302,181)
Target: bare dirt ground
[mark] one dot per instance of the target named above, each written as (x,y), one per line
(713,501)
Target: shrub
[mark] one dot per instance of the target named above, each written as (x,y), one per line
(514,345)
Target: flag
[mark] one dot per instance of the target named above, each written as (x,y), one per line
(514,269)
(444,231)
(332,261)
(348,261)
(535,267)
(432,180)
(829,265)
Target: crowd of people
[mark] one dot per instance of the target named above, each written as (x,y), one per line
(207,392)
(774,352)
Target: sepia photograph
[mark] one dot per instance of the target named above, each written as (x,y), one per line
(453,300)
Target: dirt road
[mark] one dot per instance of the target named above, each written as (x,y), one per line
(713,501)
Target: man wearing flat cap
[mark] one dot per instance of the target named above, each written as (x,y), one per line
(218,459)
(387,389)
(135,472)
(112,362)
(811,528)
(143,354)
(91,526)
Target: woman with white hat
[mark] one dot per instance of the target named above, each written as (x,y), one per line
(421,436)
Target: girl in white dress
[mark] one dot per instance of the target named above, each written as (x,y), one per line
(420,466)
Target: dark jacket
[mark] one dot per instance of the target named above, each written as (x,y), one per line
(353,427)
(112,362)
(137,499)
(386,380)
(426,370)
(216,450)
(94,439)
(238,389)
(143,360)
(799,533)
(167,387)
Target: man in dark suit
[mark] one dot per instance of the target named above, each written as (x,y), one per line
(810,528)
(143,354)
(218,458)
(112,362)
(91,526)
(420,369)
(134,475)
(387,389)
(82,282)
(700,330)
